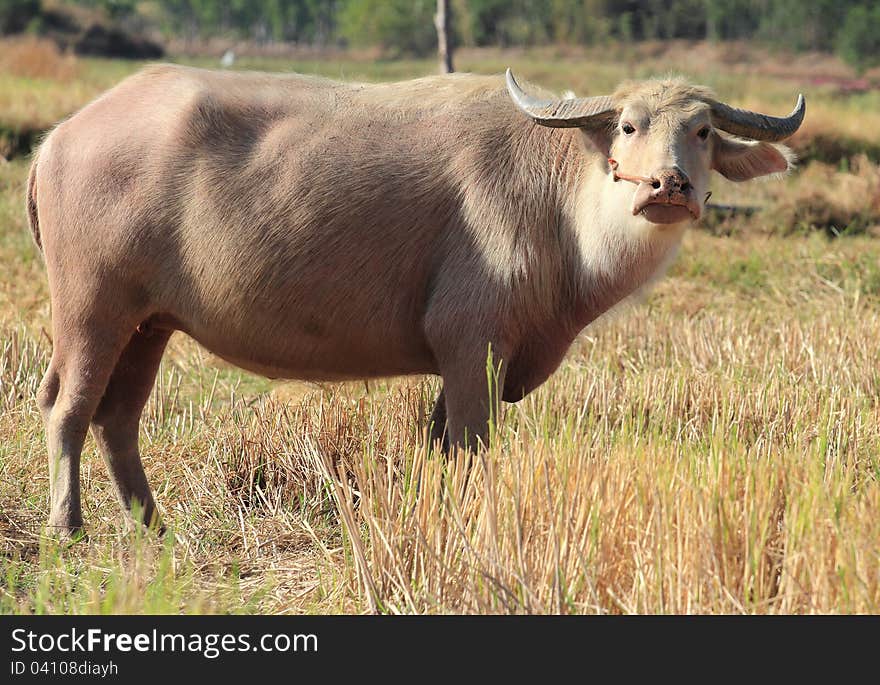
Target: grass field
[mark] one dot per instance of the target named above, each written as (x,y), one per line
(712,448)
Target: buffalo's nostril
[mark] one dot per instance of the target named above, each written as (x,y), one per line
(655,184)
(686,186)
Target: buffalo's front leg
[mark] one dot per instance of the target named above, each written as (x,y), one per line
(437,432)
(471,391)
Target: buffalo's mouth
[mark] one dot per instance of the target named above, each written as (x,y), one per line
(674,212)
(668,197)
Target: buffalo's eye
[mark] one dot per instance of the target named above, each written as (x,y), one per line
(704,132)
(628,128)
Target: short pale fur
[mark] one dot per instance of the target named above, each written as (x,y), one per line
(304,228)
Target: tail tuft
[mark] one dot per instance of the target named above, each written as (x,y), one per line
(31,203)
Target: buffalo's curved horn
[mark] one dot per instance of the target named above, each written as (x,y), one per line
(742,122)
(560,113)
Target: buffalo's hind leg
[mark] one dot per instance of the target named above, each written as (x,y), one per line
(117,419)
(84,353)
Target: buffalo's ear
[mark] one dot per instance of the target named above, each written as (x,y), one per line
(742,160)
(600,135)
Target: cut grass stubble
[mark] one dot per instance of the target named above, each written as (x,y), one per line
(679,462)
(712,449)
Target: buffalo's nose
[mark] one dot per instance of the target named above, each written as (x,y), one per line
(667,197)
(669,182)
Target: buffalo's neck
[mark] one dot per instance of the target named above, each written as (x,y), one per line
(618,254)
(559,234)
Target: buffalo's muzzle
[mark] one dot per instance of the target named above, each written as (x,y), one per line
(668,199)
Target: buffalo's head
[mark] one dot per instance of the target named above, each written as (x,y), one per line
(666,136)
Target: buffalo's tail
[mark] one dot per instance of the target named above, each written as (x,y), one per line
(31,202)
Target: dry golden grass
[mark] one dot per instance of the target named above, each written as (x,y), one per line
(836,199)
(39,85)
(36,58)
(714,448)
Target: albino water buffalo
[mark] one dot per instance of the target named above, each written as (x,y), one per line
(303,228)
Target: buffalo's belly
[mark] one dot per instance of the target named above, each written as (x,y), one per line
(316,369)
(306,302)
(296,349)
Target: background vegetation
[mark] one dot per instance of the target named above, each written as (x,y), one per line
(849,27)
(713,447)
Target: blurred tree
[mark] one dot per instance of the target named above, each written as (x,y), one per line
(396,26)
(484,18)
(406,26)
(444,37)
(15,15)
(799,25)
(858,41)
(666,20)
(116,9)
(733,19)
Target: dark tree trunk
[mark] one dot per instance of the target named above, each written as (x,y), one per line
(444,45)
